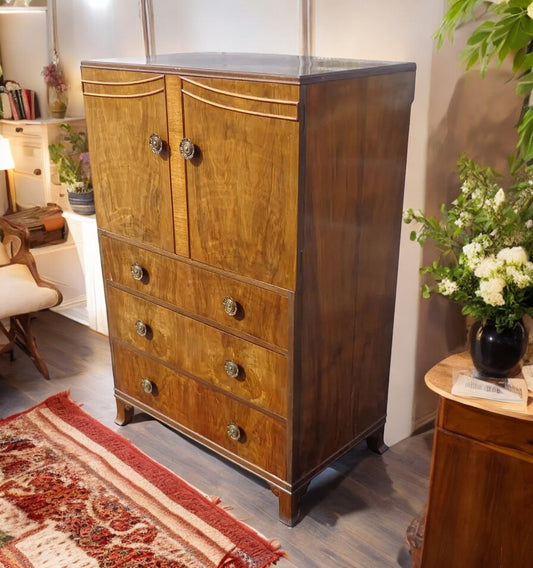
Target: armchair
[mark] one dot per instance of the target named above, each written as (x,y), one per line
(22,292)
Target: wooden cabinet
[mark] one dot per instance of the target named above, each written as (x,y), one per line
(481,480)
(249,211)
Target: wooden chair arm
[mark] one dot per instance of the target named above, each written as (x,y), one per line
(23,254)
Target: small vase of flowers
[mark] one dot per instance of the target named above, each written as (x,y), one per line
(485,240)
(74,168)
(57,88)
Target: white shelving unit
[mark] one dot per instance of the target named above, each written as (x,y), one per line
(73,266)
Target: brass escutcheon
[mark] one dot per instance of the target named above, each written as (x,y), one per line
(137,271)
(141,328)
(231,368)
(156,143)
(230,305)
(146,385)
(187,148)
(234,432)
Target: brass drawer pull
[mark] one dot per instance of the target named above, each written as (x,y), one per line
(147,385)
(187,149)
(19,129)
(230,306)
(156,143)
(234,432)
(232,369)
(37,172)
(137,271)
(141,328)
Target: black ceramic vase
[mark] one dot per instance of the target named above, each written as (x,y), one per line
(496,354)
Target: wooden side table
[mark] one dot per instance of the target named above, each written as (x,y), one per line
(481,483)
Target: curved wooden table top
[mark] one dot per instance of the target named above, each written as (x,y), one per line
(439,380)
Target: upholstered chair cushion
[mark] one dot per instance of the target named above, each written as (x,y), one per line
(20,294)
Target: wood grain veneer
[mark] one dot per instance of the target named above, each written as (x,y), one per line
(481,480)
(291,206)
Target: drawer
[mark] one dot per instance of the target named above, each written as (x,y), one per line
(28,158)
(261,313)
(201,350)
(203,410)
(22,130)
(30,190)
(489,427)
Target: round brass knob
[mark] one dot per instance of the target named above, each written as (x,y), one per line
(156,143)
(37,172)
(137,271)
(230,305)
(234,432)
(231,368)
(187,148)
(147,385)
(141,328)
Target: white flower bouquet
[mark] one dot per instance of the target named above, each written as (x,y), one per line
(486,241)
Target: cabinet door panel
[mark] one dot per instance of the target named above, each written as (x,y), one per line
(132,183)
(243,185)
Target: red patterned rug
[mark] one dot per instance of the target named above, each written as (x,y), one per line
(74,494)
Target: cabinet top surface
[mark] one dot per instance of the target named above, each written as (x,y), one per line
(294,68)
(440,379)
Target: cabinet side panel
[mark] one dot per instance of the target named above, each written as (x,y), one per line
(356,135)
(131,183)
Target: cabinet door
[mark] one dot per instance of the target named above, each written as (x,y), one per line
(243,179)
(132,183)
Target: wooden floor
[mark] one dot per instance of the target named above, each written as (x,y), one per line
(356,512)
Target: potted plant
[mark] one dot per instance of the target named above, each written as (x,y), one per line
(485,240)
(74,169)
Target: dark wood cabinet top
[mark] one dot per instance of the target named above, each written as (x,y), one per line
(291,68)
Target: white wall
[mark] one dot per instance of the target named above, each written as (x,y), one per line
(443,121)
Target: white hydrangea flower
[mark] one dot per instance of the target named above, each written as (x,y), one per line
(491,291)
(447,287)
(529,223)
(487,267)
(499,199)
(474,252)
(519,277)
(529,10)
(513,255)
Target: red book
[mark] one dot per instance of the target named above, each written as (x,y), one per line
(13,105)
(28,97)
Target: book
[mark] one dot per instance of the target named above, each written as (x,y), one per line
(6,107)
(14,108)
(512,390)
(28,100)
(17,93)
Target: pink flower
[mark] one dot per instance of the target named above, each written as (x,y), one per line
(53,77)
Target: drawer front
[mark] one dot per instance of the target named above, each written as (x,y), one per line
(201,350)
(21,130)
(203,410)
(28,158)
(488,427)
(260,313)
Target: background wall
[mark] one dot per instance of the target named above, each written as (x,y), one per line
(452,112)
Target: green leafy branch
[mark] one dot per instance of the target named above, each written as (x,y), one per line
(507,30)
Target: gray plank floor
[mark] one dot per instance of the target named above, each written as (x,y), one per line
(355,513)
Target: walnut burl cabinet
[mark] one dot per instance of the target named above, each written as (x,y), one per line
(481,483)
(249,211)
